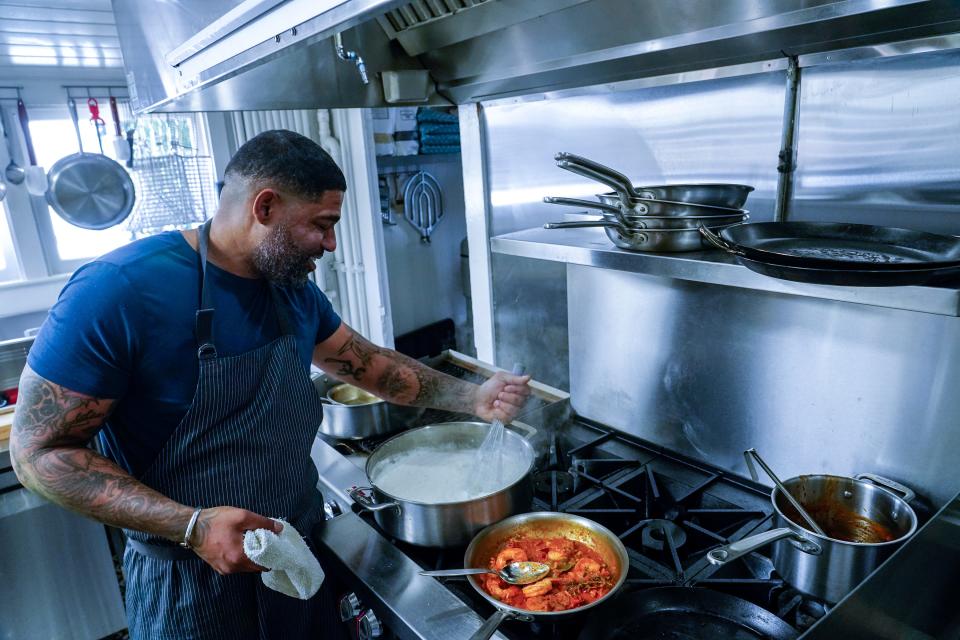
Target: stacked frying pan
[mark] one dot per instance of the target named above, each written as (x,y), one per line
(660,218)
(840,253)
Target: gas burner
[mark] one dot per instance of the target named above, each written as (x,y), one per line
(545,481)
(657,532)
(798,609)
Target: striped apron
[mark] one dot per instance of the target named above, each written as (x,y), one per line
(244,442)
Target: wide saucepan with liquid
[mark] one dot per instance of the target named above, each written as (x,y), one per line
(865,519)
(426,489)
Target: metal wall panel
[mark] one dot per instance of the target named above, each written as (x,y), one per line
(815,385)
(723,130)
(879,141)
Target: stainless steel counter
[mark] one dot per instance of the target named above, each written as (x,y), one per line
(590,247)
(912,596)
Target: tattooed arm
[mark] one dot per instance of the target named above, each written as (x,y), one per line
(350,357)
(48,446)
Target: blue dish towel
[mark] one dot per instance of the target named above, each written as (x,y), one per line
(426,149)
(440,139)
(430,128)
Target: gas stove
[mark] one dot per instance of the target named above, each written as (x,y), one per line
(668,511)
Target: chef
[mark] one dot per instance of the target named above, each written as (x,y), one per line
(188,353)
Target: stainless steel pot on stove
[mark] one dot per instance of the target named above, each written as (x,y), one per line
(444,524)
(362,420)
(864,519)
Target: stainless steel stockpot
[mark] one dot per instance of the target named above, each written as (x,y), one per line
(853,512)
(444,524)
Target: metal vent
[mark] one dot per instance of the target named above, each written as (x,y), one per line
(420,12)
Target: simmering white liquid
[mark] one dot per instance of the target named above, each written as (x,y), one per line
(437,475)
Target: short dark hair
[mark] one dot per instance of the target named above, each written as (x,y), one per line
(289,161)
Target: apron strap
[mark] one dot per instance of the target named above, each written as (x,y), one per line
(204,323)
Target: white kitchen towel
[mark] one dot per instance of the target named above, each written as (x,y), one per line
(293,569)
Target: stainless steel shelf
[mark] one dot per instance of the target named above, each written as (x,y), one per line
(590,247)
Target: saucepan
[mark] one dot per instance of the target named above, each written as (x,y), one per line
(444,454)
(350,413)
(487,544)
(865,518)
(726,195)
(672,215)
(655,240)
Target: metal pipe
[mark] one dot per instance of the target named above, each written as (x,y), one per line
(788,151)
(351,56)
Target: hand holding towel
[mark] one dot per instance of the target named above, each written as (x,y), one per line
(294,571)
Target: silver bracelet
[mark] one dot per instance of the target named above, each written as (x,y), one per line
(189,532)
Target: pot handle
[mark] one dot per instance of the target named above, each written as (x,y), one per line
(488,628)
(886,483)
(358,495)
(575,202)
(719,242)
(727,553)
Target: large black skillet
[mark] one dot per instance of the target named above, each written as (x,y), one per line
(686,613)
(836,245)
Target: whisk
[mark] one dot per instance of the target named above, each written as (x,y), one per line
(489,464)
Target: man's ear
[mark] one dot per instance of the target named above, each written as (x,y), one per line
(264,204)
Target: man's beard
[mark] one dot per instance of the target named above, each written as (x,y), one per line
(278,259)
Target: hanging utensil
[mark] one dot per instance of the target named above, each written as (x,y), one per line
(423,203)
(97,121)
(88,190)
(120,147)
(750,455)
(34,176)
(14,173)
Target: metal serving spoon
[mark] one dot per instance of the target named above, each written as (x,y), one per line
(513,573)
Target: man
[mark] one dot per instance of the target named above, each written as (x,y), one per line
(188,353)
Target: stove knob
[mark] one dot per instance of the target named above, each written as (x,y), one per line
(331,509)
(350,607)
(369,627)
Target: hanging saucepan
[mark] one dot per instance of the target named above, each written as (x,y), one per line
(865,521)
(544,524)
(89,190)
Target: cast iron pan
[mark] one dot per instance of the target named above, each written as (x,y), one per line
(832,245)
(855,277)
(684,613)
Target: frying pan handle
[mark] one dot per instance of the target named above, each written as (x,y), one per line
(613,174)
(358,495)
(728,553)
(599,177)
(582,224)
(719,242)
(907,493)
(488,628)
(575,202)
(25,125)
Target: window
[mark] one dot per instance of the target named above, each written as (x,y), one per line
(175,183)
(9,269)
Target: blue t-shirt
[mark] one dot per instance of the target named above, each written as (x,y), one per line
(123,328)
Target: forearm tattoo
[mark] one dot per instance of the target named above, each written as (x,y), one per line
(399,378)
(51,428)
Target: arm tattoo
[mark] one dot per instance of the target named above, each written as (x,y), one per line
(400,379)
(51,428)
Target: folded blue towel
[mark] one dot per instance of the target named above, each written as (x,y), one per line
(435,128)
(425,114)
(426,149)
(440,139)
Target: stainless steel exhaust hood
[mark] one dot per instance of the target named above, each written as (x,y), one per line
(284,54)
